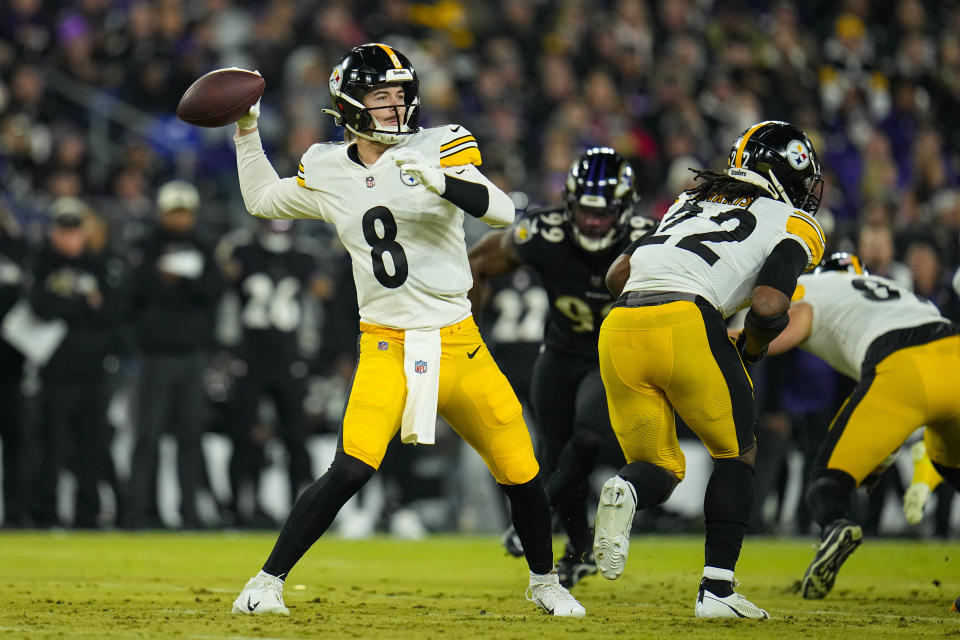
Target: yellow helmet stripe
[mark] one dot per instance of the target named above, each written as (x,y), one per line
(855,261)
(393,56)
(738,159)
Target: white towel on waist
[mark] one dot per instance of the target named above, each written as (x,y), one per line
(421,366)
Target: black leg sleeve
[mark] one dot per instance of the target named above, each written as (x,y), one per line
(949,474)
(567,487)
(652,483)
(726,508)
(828,496)
(531,520)
(314,511)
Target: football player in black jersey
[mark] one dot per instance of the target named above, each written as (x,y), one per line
(273,279)
(570,247)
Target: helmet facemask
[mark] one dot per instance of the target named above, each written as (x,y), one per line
(599,198)
(366,69)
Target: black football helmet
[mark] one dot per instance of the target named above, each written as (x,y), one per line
(364,69)
(599,196)
(779,158)
(842,261)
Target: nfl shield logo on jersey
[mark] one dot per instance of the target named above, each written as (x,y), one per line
(420,366)
(382,345)
(371,181)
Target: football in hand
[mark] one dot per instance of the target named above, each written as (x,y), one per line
(220,97)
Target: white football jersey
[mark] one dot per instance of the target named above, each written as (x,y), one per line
(715,249)
(407,244)
(851,311)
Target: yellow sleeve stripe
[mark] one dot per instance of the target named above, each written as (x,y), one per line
(798,293)
(301,181)
(470,155)
(456,142)
(810,232)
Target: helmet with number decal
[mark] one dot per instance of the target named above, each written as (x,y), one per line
(779,158)
(364,69)
(599,195)
(842,261)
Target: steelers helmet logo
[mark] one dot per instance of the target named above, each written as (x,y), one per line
(407,179)
(336,80)
(798,155)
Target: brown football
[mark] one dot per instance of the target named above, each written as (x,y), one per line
(220,97)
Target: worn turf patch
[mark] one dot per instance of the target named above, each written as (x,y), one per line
(64,585)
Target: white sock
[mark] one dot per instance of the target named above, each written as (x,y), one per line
(715,573)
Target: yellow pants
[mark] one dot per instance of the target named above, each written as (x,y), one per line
(675,356)
(911,387)
(474,398)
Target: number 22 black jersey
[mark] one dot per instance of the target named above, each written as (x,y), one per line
(715,249)
(573,278)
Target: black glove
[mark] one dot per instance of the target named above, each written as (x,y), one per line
(747,357)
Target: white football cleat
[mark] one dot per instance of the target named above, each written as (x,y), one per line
(611,542)
(710,605)
(546,591)
(263,594)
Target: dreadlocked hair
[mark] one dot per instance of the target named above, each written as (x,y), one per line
(718,185)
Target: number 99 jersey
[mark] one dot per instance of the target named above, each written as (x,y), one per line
(715,249)
(574,278)
(850,311)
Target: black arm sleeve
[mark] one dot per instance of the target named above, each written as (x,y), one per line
(782,267)
(472,197)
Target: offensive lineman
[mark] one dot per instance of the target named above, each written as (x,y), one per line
(906,359)
(570,246)
(740,238)
(397,195)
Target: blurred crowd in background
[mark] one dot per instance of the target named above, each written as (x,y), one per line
(88,136)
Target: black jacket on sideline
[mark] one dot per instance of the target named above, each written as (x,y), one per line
(60,289)
(173,316)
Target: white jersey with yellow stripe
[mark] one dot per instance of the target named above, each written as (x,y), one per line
(407,244)
(850,311)
(715,249)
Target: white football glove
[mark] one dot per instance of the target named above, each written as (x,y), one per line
(249,121)
(415,164)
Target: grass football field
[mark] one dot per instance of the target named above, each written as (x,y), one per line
(169,585)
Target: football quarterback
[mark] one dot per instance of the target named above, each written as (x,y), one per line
(570,247)
(905,357)
(739,238)
(397,194)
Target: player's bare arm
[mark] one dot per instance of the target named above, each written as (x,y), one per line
(618,274)
(797,332)
(494,255)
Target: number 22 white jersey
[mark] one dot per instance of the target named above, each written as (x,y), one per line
(851,311)
(715,249)
(407,244)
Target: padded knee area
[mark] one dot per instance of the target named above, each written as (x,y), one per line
(349,472)
(828,495)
